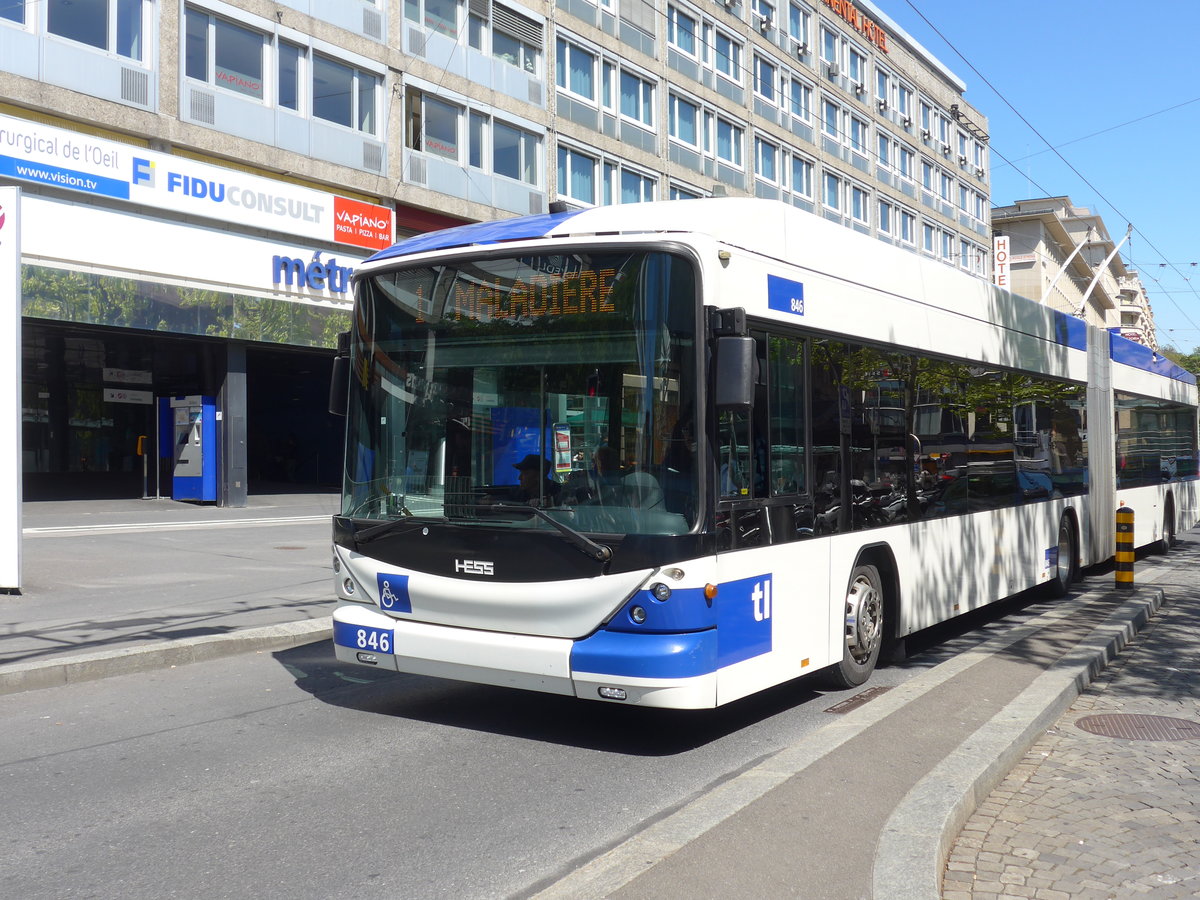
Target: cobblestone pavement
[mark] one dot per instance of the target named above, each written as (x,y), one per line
(1089,817)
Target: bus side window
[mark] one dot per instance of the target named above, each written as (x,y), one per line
(786,387)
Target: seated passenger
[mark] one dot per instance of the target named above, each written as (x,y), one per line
(642,491)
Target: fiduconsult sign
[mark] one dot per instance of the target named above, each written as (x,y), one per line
(56,157)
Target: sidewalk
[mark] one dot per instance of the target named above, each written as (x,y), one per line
(1107,803)
(987,777)
(117,586)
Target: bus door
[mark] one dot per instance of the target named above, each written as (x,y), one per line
(764,502)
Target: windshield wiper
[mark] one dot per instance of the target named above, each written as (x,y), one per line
(375,531)
(598,552)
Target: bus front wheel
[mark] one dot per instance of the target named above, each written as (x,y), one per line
(863,629)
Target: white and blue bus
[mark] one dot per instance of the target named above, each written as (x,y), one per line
(674,453)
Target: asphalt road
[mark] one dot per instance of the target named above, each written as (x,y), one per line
(289,774)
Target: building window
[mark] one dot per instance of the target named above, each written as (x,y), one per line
(858,134)
(799,24)
(637,187)
(515,52)
(800,99)
(576,175)
(576,70)
(905,160)
(884,143)
(908,227)
(681,31)
(291,76)
(831,119)
(433,127)
(730,138)
(883,87)
(765,160)
(436,15)
(904,102)
(515,153)
(857,67)
(224,54)
(728,56)
(12,11)
(637,99)
(678,192)
(833,192)
(860,201)
(683,121)
(764,78)
(344,95)
(802,177)
(118,26)
(830,46)
(928,234)
(884,221)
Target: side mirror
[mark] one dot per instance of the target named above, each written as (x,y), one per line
(733,375)
(339,380)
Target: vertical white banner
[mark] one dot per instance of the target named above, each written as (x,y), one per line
(1000,260)
(10,389)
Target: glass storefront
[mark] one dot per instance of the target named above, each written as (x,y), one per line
(97,350)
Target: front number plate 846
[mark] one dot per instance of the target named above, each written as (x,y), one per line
(363,637)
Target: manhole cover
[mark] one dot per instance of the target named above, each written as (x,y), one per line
(1141,728)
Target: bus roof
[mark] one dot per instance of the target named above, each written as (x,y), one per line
(709,216)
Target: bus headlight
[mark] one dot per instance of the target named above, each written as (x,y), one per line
(638,614)
(660,591)
(348,586)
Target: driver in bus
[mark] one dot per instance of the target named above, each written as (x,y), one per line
(534,485)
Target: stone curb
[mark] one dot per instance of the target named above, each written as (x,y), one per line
(917,838)
(159,655)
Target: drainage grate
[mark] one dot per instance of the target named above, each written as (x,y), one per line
(1141,728)
(858,699)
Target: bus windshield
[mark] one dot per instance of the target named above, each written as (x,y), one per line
(567,382)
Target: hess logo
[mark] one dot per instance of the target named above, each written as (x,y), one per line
(475,567)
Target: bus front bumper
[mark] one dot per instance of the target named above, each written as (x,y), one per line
(671,671)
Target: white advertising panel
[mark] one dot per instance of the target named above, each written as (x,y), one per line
(10,388)
(43,154)
(77,236)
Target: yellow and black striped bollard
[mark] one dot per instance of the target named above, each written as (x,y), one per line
(1124,547)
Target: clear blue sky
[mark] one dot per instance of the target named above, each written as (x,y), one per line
(1113,87)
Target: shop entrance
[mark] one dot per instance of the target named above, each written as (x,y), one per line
(293,443)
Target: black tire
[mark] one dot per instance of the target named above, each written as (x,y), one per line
(863,626)
(1167,541)
(1066,571)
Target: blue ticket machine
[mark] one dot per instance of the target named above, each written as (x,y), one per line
(188,436)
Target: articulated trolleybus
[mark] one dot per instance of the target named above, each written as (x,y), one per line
(674,453)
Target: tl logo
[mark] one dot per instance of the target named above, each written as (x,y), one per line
(761,596)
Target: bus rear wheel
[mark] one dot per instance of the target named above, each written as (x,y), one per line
(1167,541)
(863,626)
(1066,569)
